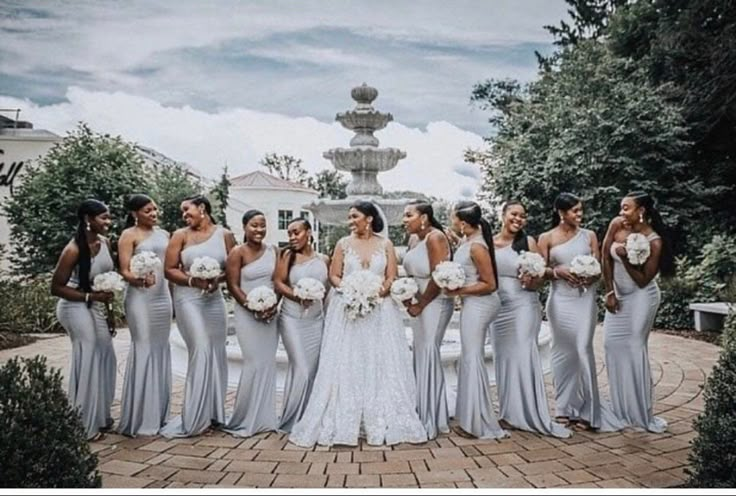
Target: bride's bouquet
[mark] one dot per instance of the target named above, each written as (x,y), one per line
(637,248)
(361,293)
(449,275)
(205,268)
(309,289)
(531,263)
(109,282)
(144,264)
(404,289)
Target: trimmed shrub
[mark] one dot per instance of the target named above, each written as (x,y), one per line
(27,306)
(42,440)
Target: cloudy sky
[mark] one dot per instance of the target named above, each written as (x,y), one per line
(214,83)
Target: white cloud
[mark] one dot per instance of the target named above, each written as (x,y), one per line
(239,137)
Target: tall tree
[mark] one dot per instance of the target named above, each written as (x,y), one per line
(220,193)
(286,167)
(330,183)
(171,184)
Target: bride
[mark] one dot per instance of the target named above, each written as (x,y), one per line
(364,385)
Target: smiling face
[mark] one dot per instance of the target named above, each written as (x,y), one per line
(299,235)
(514,218)
(574,216)
(100,224)
(192,214)
(630,212)
(255,229)
(413,220)
(358,222)
(147,216)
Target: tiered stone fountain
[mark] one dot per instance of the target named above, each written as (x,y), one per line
(363,160)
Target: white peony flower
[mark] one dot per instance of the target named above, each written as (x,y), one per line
(404,289)
(108,282)
(205,268)
(449,275)
(361,293)
(637,248)
(308,288)
(144,263)
(585,266)
(261,299)
(531,263)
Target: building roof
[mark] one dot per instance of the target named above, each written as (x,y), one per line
(262,180)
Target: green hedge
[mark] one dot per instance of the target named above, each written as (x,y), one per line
(27,306)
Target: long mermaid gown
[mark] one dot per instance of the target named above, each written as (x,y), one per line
(147,383)
(474,409)
(255,401)
(201,320)
(428,330)
(364,385)
(93,363)
(627,353)
(522,400)
(572,315)
(301,332)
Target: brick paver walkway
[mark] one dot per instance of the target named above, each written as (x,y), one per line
(627,459)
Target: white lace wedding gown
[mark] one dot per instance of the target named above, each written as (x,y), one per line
(365,383)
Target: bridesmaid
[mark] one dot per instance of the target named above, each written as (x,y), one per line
(200,316)
(147,383)
(300,323)
(81,312)
(249,266)
(632,299)
(473,410)
(572,314)
(428,247)
(522,400)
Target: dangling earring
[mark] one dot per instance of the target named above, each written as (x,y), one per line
(136,220)
(423,226)
(641,217)
(462,230)
(88,228)
(562,220)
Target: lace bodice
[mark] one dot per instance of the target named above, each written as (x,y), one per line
(352,261)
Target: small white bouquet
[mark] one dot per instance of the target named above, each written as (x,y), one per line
(205,268)
(449,275)
(309,289)
(144,264)
(108,282)
(261,299)
(585,266)
(404,289)
(637,248)
(531,263)
(361,293)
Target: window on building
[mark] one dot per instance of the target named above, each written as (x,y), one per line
(304,214)
(285,217)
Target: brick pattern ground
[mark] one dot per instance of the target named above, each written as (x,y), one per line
(612,460)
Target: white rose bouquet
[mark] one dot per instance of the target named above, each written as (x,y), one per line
(585,267)
(404,289)
(205,268)
(261,299)
(637,248)
(449,275)
(144,264)
(309,289)
(531,263)
(109,282)
(361,293)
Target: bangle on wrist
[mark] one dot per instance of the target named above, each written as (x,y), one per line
(189,282)
(86,297)
(610,293)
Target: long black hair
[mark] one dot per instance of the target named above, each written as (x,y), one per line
(425,208)
(88,209)
(292,253)
(521,240)
(470,212)
(369,209)
(564,202)
(652,215)
(133,204)
(247,216)
(201,200)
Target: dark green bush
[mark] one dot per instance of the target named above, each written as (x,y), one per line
(27,306)
(713,455)
(42,440)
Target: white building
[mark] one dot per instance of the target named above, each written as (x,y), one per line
(20,145)
(278,199)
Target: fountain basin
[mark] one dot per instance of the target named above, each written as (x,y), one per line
(449,352)
(336,211)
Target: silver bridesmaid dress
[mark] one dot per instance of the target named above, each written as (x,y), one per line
(473,409)
(428,330)
(202,323)
(147,383)
(522,401)
(301,332)
(627,353)
(93,364)
(255,402)
(572,315)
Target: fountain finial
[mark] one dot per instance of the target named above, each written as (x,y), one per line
(364,95)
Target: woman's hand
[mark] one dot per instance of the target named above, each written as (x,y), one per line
(414,309)
(149,280)
(102,296)
(612,303)
(621,251)
(451,293)
(138,282)
(564,273)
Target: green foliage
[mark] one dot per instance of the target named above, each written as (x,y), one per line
(713,453)
(42,212)
(170,186)
(330,183)
(19,297)
(712,278)
(42,440)
(286,167)
(220,195)
(594,127)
